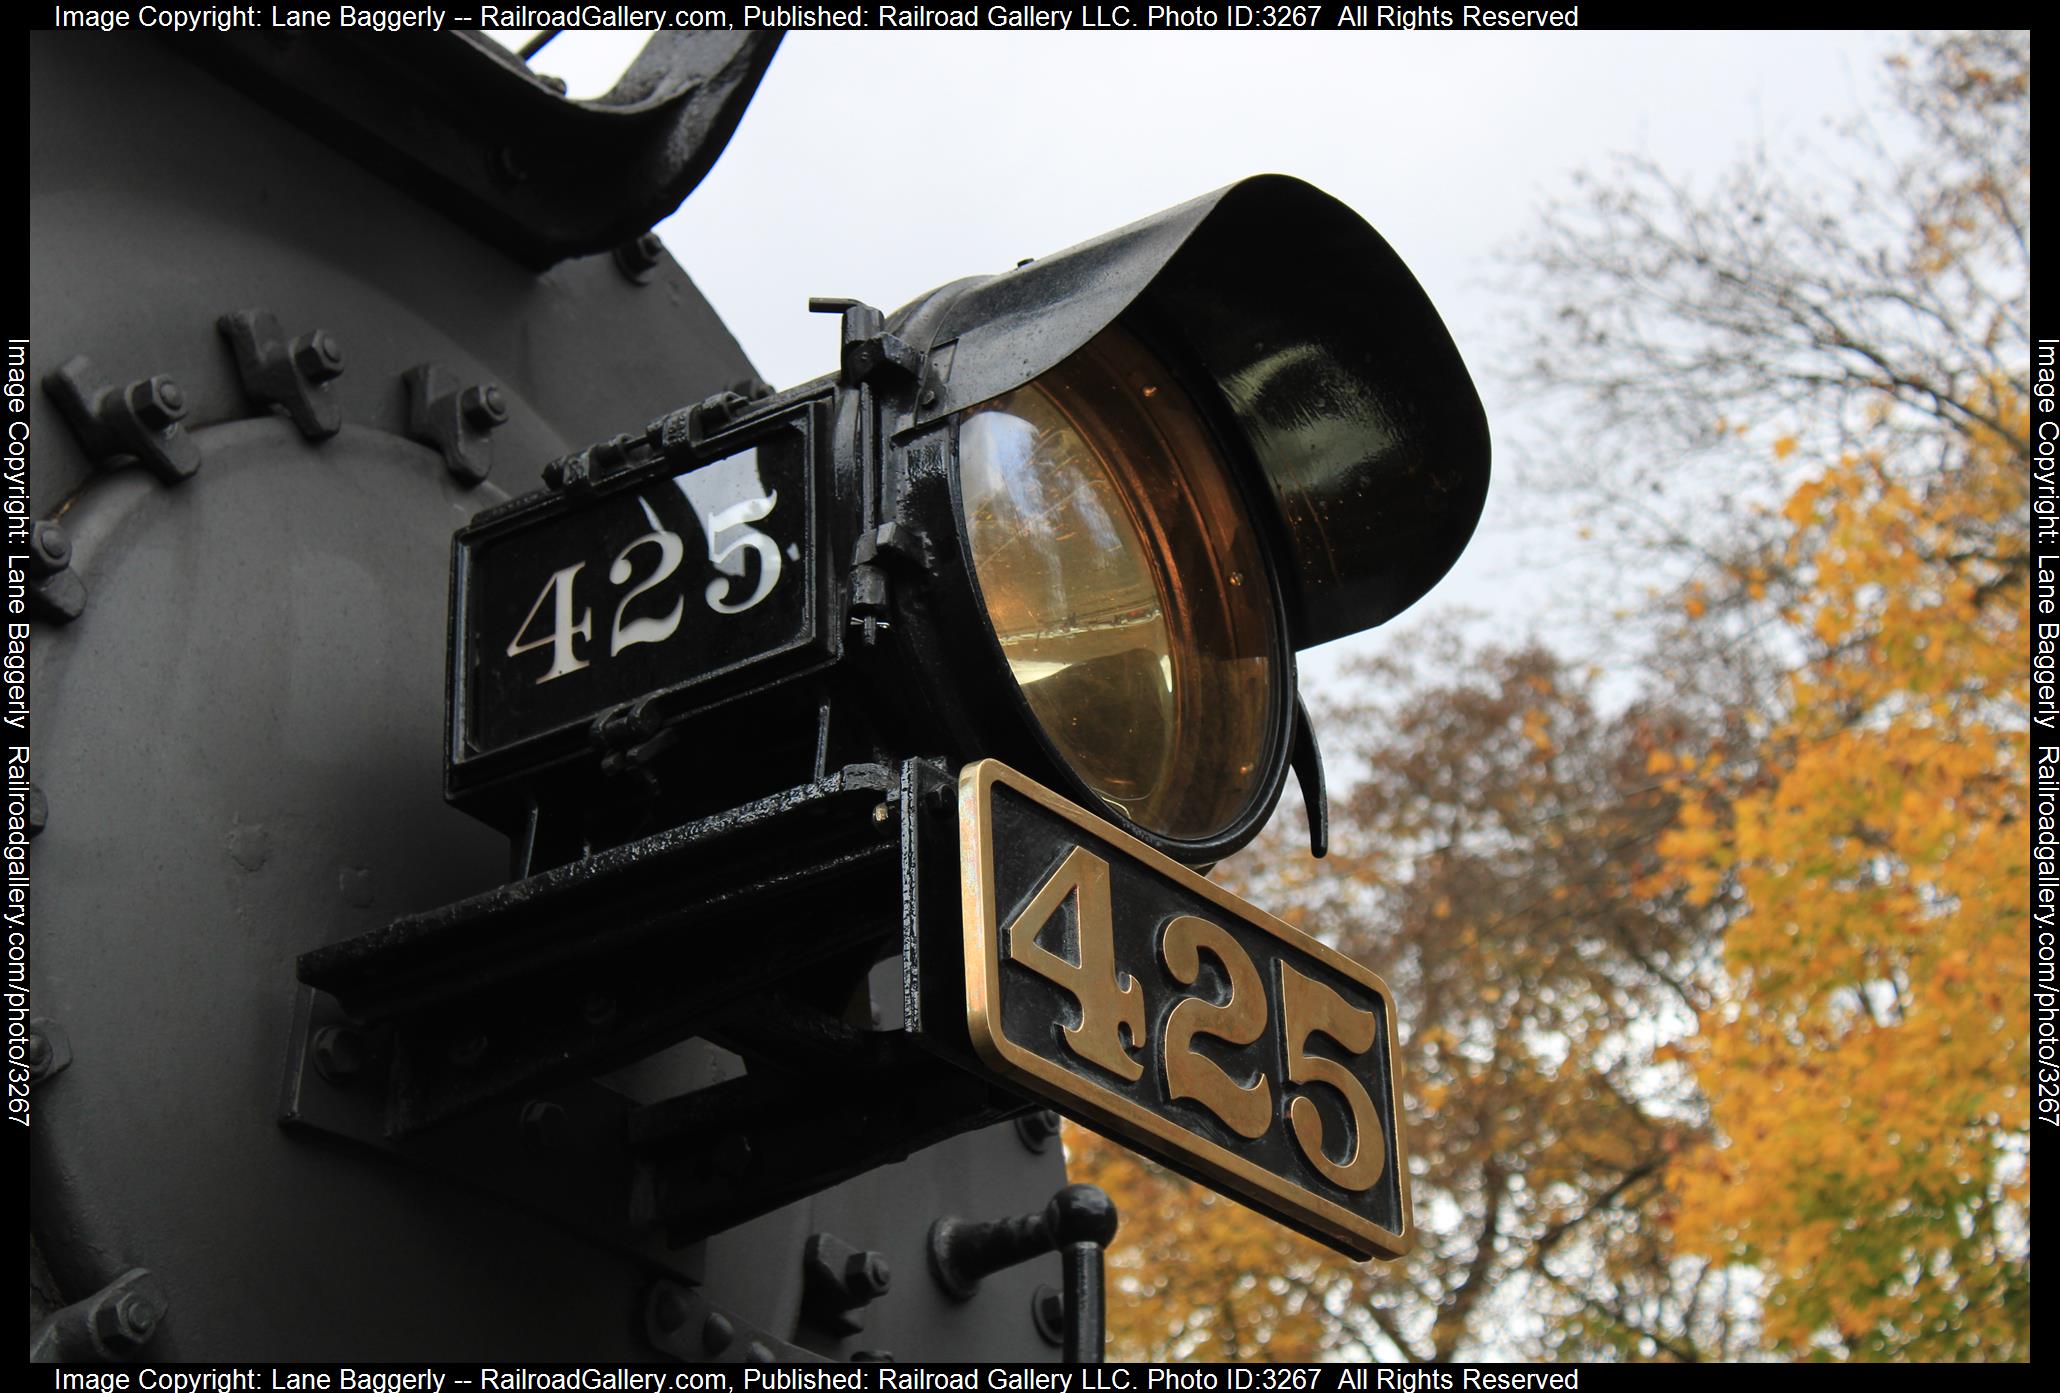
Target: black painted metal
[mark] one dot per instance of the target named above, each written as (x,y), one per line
(1079,1223)
(114,1323)
(292,376)
(1308,765)
(1344,386)
(466,127)
(242,738)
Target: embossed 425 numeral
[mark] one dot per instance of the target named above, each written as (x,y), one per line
(1112,1006)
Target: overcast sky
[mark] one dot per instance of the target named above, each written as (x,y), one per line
(879,165)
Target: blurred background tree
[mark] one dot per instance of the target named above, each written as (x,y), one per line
(1711,968)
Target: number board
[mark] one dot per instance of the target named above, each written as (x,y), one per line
(664,581)
(1160,1008)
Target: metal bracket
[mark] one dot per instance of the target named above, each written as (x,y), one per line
(459,423)
(558,1154)
(138,422)
(114,1323)
(870,353)
(292,376)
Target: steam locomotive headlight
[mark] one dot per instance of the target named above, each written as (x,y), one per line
(1122,577)
(1077,517)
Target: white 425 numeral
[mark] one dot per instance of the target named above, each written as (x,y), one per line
(563,631)
(729,534)
(736,518)
(670,552)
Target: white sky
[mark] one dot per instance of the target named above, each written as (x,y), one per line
(881,164)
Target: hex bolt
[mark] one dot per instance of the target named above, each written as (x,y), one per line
(339,1054)
(547,1128)
(717,1332)
(867,1276)
(124,1326)
(39,1052)
(639,257)
(484,406)
(157,402)
(318,356)
(39,812)
(758,1352)
(50,549)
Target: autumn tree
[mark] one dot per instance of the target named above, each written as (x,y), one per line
(1700,347)
(1852,362)
(1715,1030)
(1484,863)
(1866,1065)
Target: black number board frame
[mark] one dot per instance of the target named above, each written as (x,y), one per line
(508,717)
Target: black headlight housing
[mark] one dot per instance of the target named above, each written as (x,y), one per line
(1077,516)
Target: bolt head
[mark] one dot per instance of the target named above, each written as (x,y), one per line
(867,1275)
(39,812)
(158,402)
(717,1332)
(124,1325)
(1036,1129)
(339,1053)
(318,356)
(1048,1313)
(50,547)
(484,406)
(39,1050)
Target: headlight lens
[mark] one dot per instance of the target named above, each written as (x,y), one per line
(1125,585)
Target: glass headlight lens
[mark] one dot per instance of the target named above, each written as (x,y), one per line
(1125,585)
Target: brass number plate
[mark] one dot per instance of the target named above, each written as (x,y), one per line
(1160,1009)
